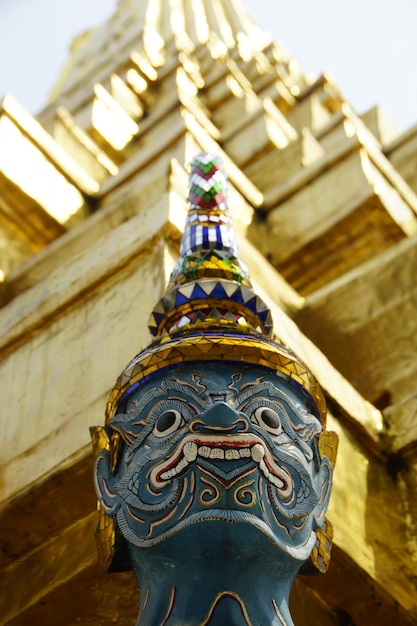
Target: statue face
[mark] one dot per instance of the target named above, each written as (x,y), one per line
(217,442)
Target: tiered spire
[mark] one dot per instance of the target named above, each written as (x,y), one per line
(209,285)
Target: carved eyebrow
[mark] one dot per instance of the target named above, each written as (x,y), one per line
(142,403)
(177,385)
(124,423)
(272,392)
(185,389)
(303,432)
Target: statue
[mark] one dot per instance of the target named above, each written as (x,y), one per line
(214,470)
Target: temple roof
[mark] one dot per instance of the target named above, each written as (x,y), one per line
(156,28)
(92,208)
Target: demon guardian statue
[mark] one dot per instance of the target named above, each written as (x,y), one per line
(213,472)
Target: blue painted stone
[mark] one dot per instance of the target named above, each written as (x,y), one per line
(217,494)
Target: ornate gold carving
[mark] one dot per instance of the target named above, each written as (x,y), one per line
(320,555)
(216,347)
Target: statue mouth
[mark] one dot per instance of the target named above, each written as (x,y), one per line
(223,448)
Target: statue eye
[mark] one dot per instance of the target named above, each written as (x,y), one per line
(167,423)
(267,418)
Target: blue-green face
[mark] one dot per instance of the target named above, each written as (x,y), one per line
(217,442)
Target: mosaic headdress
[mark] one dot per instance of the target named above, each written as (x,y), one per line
(210,311)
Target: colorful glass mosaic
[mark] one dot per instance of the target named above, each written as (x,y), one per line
(216,347)
(209,281)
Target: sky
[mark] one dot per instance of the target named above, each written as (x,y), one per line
(368,47)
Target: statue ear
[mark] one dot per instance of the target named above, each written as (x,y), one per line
(324,485)
(112,553)
(319,560)
(104,483)
(328,444)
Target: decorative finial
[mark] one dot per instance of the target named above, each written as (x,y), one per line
(209,286)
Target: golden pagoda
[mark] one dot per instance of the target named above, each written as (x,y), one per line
(92,207)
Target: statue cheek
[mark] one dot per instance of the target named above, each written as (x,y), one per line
(104,484)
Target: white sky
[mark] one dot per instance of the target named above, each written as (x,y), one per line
(368,46)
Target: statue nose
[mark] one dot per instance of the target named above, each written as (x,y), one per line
(220,417)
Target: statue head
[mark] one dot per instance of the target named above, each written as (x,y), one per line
(215,432)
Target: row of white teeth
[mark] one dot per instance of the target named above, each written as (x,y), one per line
(192,450)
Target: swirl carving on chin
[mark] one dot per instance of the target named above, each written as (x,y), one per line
(210,495)
(244,495)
